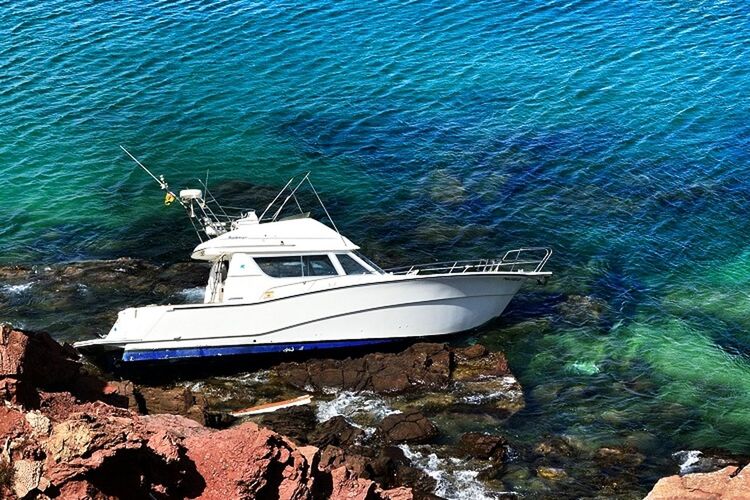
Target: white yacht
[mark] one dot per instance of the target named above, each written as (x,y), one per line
(285,284)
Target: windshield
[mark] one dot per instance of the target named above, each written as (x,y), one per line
(369,263)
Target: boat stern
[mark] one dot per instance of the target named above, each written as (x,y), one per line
(129,327)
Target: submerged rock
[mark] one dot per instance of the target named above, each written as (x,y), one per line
(582,309)
(81,299)
(617,456)
(551,473)
(482,446)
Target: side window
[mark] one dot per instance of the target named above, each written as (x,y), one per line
(318,265)
(296,266)
(280,267)
(350,265)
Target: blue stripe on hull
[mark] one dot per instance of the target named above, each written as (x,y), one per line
(205,352)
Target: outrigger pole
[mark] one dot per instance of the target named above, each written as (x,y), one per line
(159,180)
(165,187)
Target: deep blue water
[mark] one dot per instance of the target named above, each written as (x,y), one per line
(616,132)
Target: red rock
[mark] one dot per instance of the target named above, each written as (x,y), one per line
(248,461)
(34,361)
(423,366)
(121,393)
(73,447)
(295,422)
(12,422)
(175,401)
(348,486)
(397,494)
(724,484)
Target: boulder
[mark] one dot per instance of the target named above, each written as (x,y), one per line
(29,361)
(175,401)
(295,422)
(336,431)
(249,461)
(482,446)
(423,365)
(475,362)
(389,467)
(437,375)
(122,391)
(410,427)
(418,480)
(728,483)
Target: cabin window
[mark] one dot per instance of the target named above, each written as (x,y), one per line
(280,267)
(296,266)
(350,265)
(370,263)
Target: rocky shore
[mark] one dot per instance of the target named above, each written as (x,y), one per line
(68,433)
(426,422)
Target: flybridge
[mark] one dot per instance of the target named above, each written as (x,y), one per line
(291,236)
(210,219)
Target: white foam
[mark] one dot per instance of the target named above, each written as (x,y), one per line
(16,289)
(193,294)
(196,386)
(352,404)
(452,481)
(256,377)
(508,390)
(689,459)
(248,378)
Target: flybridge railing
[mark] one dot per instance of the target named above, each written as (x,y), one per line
(531,259)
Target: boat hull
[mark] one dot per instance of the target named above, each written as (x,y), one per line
(348,316)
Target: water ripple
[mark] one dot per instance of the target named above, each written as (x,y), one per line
(619,133)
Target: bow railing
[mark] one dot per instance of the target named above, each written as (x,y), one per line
(520,260)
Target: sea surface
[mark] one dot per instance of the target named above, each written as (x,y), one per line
(617,133)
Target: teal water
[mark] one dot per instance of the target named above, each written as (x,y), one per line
(618,133)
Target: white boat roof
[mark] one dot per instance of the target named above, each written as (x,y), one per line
(296,236)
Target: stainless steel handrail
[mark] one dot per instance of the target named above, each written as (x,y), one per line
(512,261)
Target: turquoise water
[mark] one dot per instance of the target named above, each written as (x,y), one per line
(618,133)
